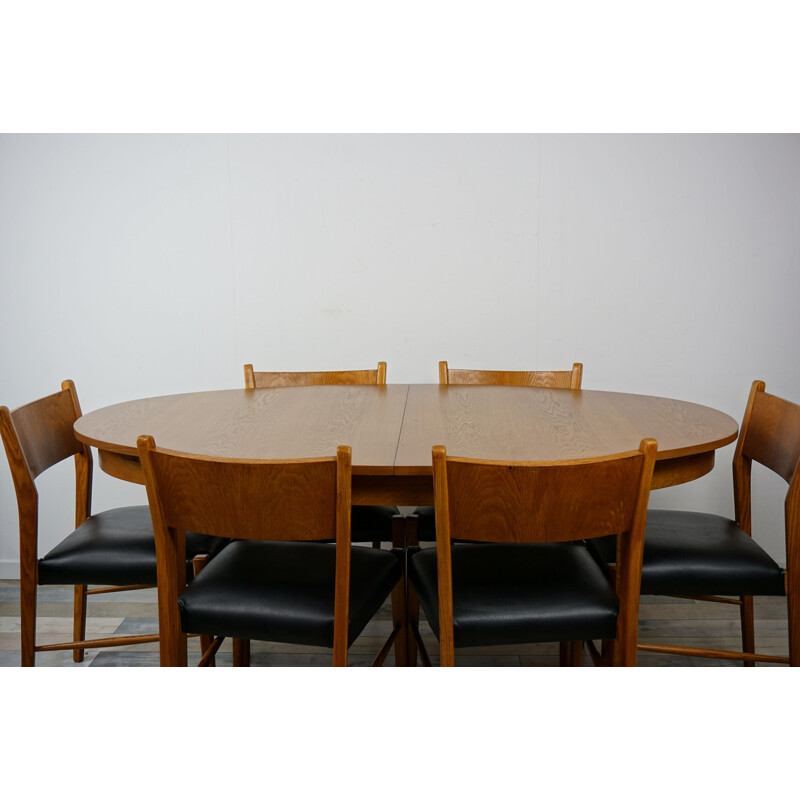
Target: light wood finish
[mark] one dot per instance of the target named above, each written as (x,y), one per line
(392,429)
(273,380)
(566,379)
(284,500)
(505,423)
(37,436)
(770,435)
(293,422)
(498,501)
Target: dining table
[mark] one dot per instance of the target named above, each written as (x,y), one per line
(392,428)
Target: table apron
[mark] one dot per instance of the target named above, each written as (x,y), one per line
(417,490)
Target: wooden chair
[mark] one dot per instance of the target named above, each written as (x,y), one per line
(567,379)
(278,581)
(114,548)
(374,524)
(527,577)
(273,380)
(708,557)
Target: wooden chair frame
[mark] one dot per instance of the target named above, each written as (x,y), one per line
(566,379)
(770,435)
(272,380)
(540,502)
(37,436)
(271,500)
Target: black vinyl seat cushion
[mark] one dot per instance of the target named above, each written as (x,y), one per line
(519,593)
(691,553)
(115,548)
(372,523)
(426,523)
(284,592)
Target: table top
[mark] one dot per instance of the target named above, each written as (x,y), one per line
(392,428)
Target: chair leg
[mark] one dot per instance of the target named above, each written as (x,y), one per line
(27,613)
(79,621)
(205,642)
(399,601)
(412,601)
(241,652)
(794,630)
(570,654)
(376,545)
(748,629)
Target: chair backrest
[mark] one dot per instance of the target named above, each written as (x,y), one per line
(304,499)
(243,499)
(37,436)
(533,502)
(770,435)
(271,380)
(566,379)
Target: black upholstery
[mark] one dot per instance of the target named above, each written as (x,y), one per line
(690,553)
(372,523)
(426,523)
(284,592)
(115,548)
(517,593)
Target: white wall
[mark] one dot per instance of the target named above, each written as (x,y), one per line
(144,265)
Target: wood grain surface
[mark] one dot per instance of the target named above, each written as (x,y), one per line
(392,429)
(290,422)
(519,424)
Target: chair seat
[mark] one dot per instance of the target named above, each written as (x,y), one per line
(284,592)
(372,523)
(518,593)
(690,553)
(115,548)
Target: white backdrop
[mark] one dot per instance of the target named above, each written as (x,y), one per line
(146,265)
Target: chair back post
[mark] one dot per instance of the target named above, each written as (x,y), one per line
(577,376)
(629,563)
(249,377)
(83,465)
(341,608)
(28,514)
(24,487)
(170,565)
(443,559)
(380,378)
(742,466)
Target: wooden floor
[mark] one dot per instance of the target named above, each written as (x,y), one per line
(662,620)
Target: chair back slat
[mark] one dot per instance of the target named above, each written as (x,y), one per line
(274,500)
(772,434)
(273,380)
(43,429)
(566,379)
(513,502)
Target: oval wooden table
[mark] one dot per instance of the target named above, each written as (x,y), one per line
(392,428)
